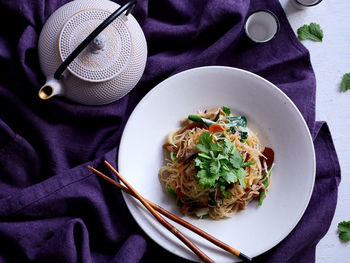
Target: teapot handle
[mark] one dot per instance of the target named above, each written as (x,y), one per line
(128,7)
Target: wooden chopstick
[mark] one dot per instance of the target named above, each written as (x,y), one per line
(161,220)
(177,219)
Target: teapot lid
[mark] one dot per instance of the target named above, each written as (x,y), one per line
(106,56)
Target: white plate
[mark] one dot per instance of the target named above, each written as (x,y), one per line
(269,112)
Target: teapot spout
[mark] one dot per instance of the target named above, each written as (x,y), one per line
(51,88)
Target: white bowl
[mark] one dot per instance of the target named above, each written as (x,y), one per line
(270,113)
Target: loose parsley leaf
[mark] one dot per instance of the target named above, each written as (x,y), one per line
(226,110)
(312,32)
(345,83)
(344,230)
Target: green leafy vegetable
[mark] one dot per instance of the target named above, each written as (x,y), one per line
(312,32)
(344,230)
(206,144)
(226,110)
(218,163)
(345,83)
(236,159)
(238,123)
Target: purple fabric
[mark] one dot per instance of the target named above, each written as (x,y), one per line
(52,209)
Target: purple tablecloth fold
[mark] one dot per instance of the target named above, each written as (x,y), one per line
(52,209)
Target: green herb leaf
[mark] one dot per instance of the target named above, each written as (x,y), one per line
(344,230)
(205,141)
(236,159)
(312,32)
(226,147)
(241,176)
(218,162)
(228,176)
(345,83)
(207,179)
(214,167)
(226,110)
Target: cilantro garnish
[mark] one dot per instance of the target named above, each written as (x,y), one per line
(345,83)
(312,32)
(226,110)
(344,230)
(218,163)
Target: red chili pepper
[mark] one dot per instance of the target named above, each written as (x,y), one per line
(215,127)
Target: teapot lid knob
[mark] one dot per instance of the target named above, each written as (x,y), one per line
(98,44)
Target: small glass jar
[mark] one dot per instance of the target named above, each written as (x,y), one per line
(303,4)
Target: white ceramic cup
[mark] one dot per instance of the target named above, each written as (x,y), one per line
(303,4)
(261,26)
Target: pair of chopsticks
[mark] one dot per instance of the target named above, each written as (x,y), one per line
(154,209)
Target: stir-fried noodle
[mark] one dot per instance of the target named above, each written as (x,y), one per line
(232,190)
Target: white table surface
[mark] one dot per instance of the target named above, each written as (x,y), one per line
(330,60)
